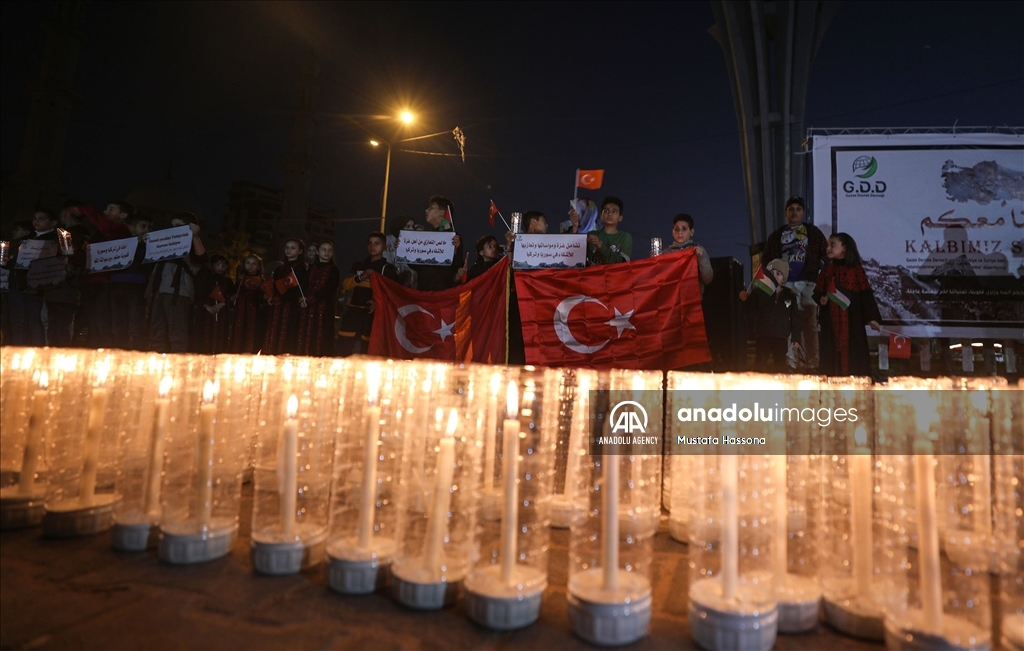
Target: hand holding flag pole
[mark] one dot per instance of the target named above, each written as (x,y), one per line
(298,284)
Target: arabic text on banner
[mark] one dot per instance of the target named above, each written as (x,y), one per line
(110,256)
(538,251)
(426,247)
(46,272)
(168,244)
(30,250)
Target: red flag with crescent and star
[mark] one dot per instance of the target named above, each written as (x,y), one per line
(589,179)
(899,346)
(466,323)
(491,212)
(644,314)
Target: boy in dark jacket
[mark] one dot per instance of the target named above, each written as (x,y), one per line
(776,320)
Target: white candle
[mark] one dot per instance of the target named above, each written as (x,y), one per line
(610,518)
(928,536)
(576,432)
(156,447)
(861,489)
(30,460)
(510,475)
(780,539)
(289,453)
(93,436)
(980,462)
(437,524)
(367,507)
(636,464)
(204,454)
(730,525)
(489,432)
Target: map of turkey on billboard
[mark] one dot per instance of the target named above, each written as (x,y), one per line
(939,222)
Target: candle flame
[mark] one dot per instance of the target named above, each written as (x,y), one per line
(495,384)
(288,370)
(293,406)
(638,382)
(102,369)
(584,384)
(210,391)
(42,378)
(372,382)
(861,437)
(512,399)
(165,385)
(453,423)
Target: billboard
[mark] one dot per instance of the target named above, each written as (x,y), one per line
(939,222)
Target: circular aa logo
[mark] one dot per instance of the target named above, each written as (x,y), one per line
(628,421)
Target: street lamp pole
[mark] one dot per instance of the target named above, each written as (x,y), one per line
(384,203)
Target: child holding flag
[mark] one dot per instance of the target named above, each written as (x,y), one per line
(316,326)
(776,319)
(211,319)
(848,305)
(289,279)
(247,322)
(357,321)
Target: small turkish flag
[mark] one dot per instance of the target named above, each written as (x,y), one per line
(217,295)
(252,282)
(268,288)
(589,179)
(491,213)
(899,346)
(286,283)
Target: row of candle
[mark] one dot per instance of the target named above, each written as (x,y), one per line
(378,465)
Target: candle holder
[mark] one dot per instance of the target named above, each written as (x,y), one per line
(202,482)
(733,602)
(64,242)
(1008,463)
(574,423)
(441,475)
(490,502)
(691,390)
(655,247)
(295,451)
(146,419)
(5,252)
(517,222)
(934,600)
(378,400)
(611,539)
(23,411)
(80,493)
(505,585)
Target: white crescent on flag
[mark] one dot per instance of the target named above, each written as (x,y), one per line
(561,322)
(403,312)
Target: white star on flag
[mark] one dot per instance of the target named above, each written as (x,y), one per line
(445,330)
(621,322)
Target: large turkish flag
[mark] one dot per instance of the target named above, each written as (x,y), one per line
(645,315)
(467,323)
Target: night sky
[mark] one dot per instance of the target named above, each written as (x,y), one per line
(638,89)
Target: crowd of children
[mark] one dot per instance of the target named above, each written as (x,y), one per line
(193,304)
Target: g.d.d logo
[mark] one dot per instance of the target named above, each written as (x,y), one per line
(866,165)
(628,417)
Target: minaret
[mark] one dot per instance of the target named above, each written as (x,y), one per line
(298,163)
(36,181)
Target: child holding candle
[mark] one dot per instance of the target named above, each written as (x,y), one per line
(316,325)
(358,318)
(285,290)
(249,318)
(849,304)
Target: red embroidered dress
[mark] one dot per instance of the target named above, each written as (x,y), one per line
(316,326)
(283,325)
(248,321)
(843,340)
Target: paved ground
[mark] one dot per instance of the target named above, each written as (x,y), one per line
(80,594)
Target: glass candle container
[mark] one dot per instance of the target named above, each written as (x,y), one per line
(377,418)
(574,426)
(5,252)
(619,492)
(438,486)
(145,417)
(201,489)
(655,247)
(506,583)
(64,242)
(24,408)
(732,594)
(83,451)
(850,532)
(1008,520)
(293,479)
(933,600)
(517,222)
(685,390)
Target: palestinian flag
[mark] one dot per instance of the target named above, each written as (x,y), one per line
(837,296)
(764,282)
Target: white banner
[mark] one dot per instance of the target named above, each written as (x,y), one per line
(537,251)
(168,244)
(5,280)
(32,250)
(939,222)
(46,272)
(110,256)
(426,247)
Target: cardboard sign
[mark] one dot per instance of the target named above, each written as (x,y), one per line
(168,244)
(426,247)
(110,256)
(536,251)
(32,250)
(46,272)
